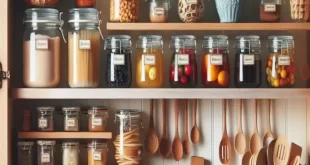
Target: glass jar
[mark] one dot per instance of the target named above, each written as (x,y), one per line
(159,11)
(228,10)
(46,152)
(183,70)
(25,153)
(124,10)
(215,62)
(85,3)
(150,63)
(248,73)
(191,10)
(71,118)
(27,121)
(128,145)
(46,118)
(97,153)
(84,48)
(300,10)
(70,153)
(41,3)
(280,68)
(97,119)
(41,47)
(270,10)
(118,68)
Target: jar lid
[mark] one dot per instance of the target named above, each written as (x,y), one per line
(98,108)
(70,144)
(25,143)
(87,15)
(118,41)
(97,144)
(215,41)
(183,41)
(46,109)
(278,42)
(46,142)
(132,113)
(247,42)
(71,109)
(150,41)
(42,15)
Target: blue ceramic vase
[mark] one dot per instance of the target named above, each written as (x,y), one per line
(228,10)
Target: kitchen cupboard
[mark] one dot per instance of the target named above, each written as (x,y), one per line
(290,112)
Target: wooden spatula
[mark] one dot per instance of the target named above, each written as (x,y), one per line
(281,151)
(225,146)
(197,160)
(270,152)
(262,157)
(296,150)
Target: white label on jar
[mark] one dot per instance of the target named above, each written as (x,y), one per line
(284,60)
(216,59)
(45,158)
(183,59)
(248,59)
(84,44)
(41,44)
(70,122)
(270,8)
(97,156)
(192,1)
(97,121)
(119,59)
(149,60)
(42,123)
(159,11)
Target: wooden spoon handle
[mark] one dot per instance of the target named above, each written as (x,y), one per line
(176,111)
(224,116)
(186,120)
(255,116)
(195,112)
(164,117)
(151,112)
(240,116)
(268,115)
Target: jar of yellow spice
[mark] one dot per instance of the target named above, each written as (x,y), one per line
(97,153)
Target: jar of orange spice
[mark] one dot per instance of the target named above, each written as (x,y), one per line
(97,153)
(98,118)
(85,3)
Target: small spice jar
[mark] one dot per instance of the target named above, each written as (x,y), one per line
(98,119)
(46,152)
(159,11)
(97,153)
(270,10)
(41,3)
(27,121)
(46,118)
(70,153)
(85,3)
(71,118)
(25,153)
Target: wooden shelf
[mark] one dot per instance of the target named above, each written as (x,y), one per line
(207,26)
(159,93)
(65,135)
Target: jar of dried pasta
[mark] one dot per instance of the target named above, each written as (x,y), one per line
(84,47)
(46,152)
(70,153)
(127,143)
(71,118)
(98,118)
(97,153)
(124,10)
(46,118)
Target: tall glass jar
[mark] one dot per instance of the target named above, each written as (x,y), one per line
(46,118)
(159,11)
(248,73)
(97,153)
(25,153)
(183,69)
(118,68)
(150,66)
(300,10)
(46,152)
(41,47)
(70,153)
(85,3)
(215,62)
(191,10)
(98,118)
(280,68)
(124,10)
(128,145)
(270,10)
(71,118)
(84,48)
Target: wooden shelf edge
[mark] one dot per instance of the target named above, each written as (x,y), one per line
(160,93)
(207,26)
(65,135)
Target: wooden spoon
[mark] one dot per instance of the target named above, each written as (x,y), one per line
(151,141)
(177,148)
(262,157)
(246,158)
(240,140)
(268,136)
(165,145)
(225,146)
(195,131)
(270,152)
(255,142)
(186,142)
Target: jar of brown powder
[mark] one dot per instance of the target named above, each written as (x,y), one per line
(159,11)
(98,119)
(46,118)
(270,10)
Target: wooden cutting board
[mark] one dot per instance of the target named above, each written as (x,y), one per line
(195,160)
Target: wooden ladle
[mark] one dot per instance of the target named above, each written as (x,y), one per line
(186,142)
(195,131)
(177,148)
(165,145)
(151,141)
(268,136)
(225,146)
(255,142)
(240,140)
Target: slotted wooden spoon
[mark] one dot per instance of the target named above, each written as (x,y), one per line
(151,141)
(281,152)
(225,146)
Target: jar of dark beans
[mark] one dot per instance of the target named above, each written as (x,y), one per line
(118,69)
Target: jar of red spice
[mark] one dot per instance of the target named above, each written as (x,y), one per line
(85,3)
(215,63)
(183,69)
